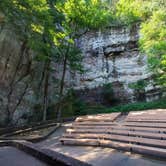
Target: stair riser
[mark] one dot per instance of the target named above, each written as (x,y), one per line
(155,152)
(137,142)
(153,130)
(138,124)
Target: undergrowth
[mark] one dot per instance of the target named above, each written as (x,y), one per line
(87,110)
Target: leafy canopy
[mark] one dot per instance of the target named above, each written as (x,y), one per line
(152,14)
(153,41)
(79,17)
(92,14)
(33,22)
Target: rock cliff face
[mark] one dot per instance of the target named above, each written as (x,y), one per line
(112,57)
(12,66)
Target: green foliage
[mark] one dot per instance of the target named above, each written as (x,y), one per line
(126,13)
(108,93)
(92,14)
(79,17)
(154,43)
(129,107)
(84,109)
(36,115)
(138,106)
(152,15)
(50,29)
(130,11)
(139,85)
(139,88)
(73,106)
(30,20)
(34,23)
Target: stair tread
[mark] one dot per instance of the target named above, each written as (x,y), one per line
(145,124)
(113,143)
(139,132)
(127,139)
(135,128)
(146,120)
(98,117)
(94,123)
(121,132)
(156,125)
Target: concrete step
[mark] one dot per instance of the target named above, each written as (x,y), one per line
(146,121)
(160,136)
(150,116)
(144,134)
(119,138)
(155,125)
(147,117)
(95,123)
(144,150)
(138,124)
(121,127)
(99,118)
(149,113)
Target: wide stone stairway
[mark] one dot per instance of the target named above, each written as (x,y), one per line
(142,132)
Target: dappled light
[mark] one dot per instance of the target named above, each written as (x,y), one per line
(83,82)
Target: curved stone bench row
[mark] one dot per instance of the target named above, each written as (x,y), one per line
(145,137)
(140,149)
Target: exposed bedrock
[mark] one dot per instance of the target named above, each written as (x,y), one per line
(112,62)
(113,57)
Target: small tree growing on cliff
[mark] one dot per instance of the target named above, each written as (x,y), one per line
(80,16)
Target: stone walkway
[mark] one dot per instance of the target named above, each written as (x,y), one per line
(10,156)
(97,156)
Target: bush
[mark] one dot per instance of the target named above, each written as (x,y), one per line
(138,106)
(139,88)
(108,94)
(76,107)
(125,108)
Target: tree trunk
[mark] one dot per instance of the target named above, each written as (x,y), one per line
(59,111)
(45,106)
(13,79)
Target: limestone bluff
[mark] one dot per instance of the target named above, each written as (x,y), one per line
(109,56)
(113,56)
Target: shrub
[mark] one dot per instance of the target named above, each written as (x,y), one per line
(108,94)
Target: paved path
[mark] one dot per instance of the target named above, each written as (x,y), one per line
(10,156)
(97,156)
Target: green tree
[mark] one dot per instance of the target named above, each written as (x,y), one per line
(50,28)
(152,16)
(34,24)
(80,16)
(153,42)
